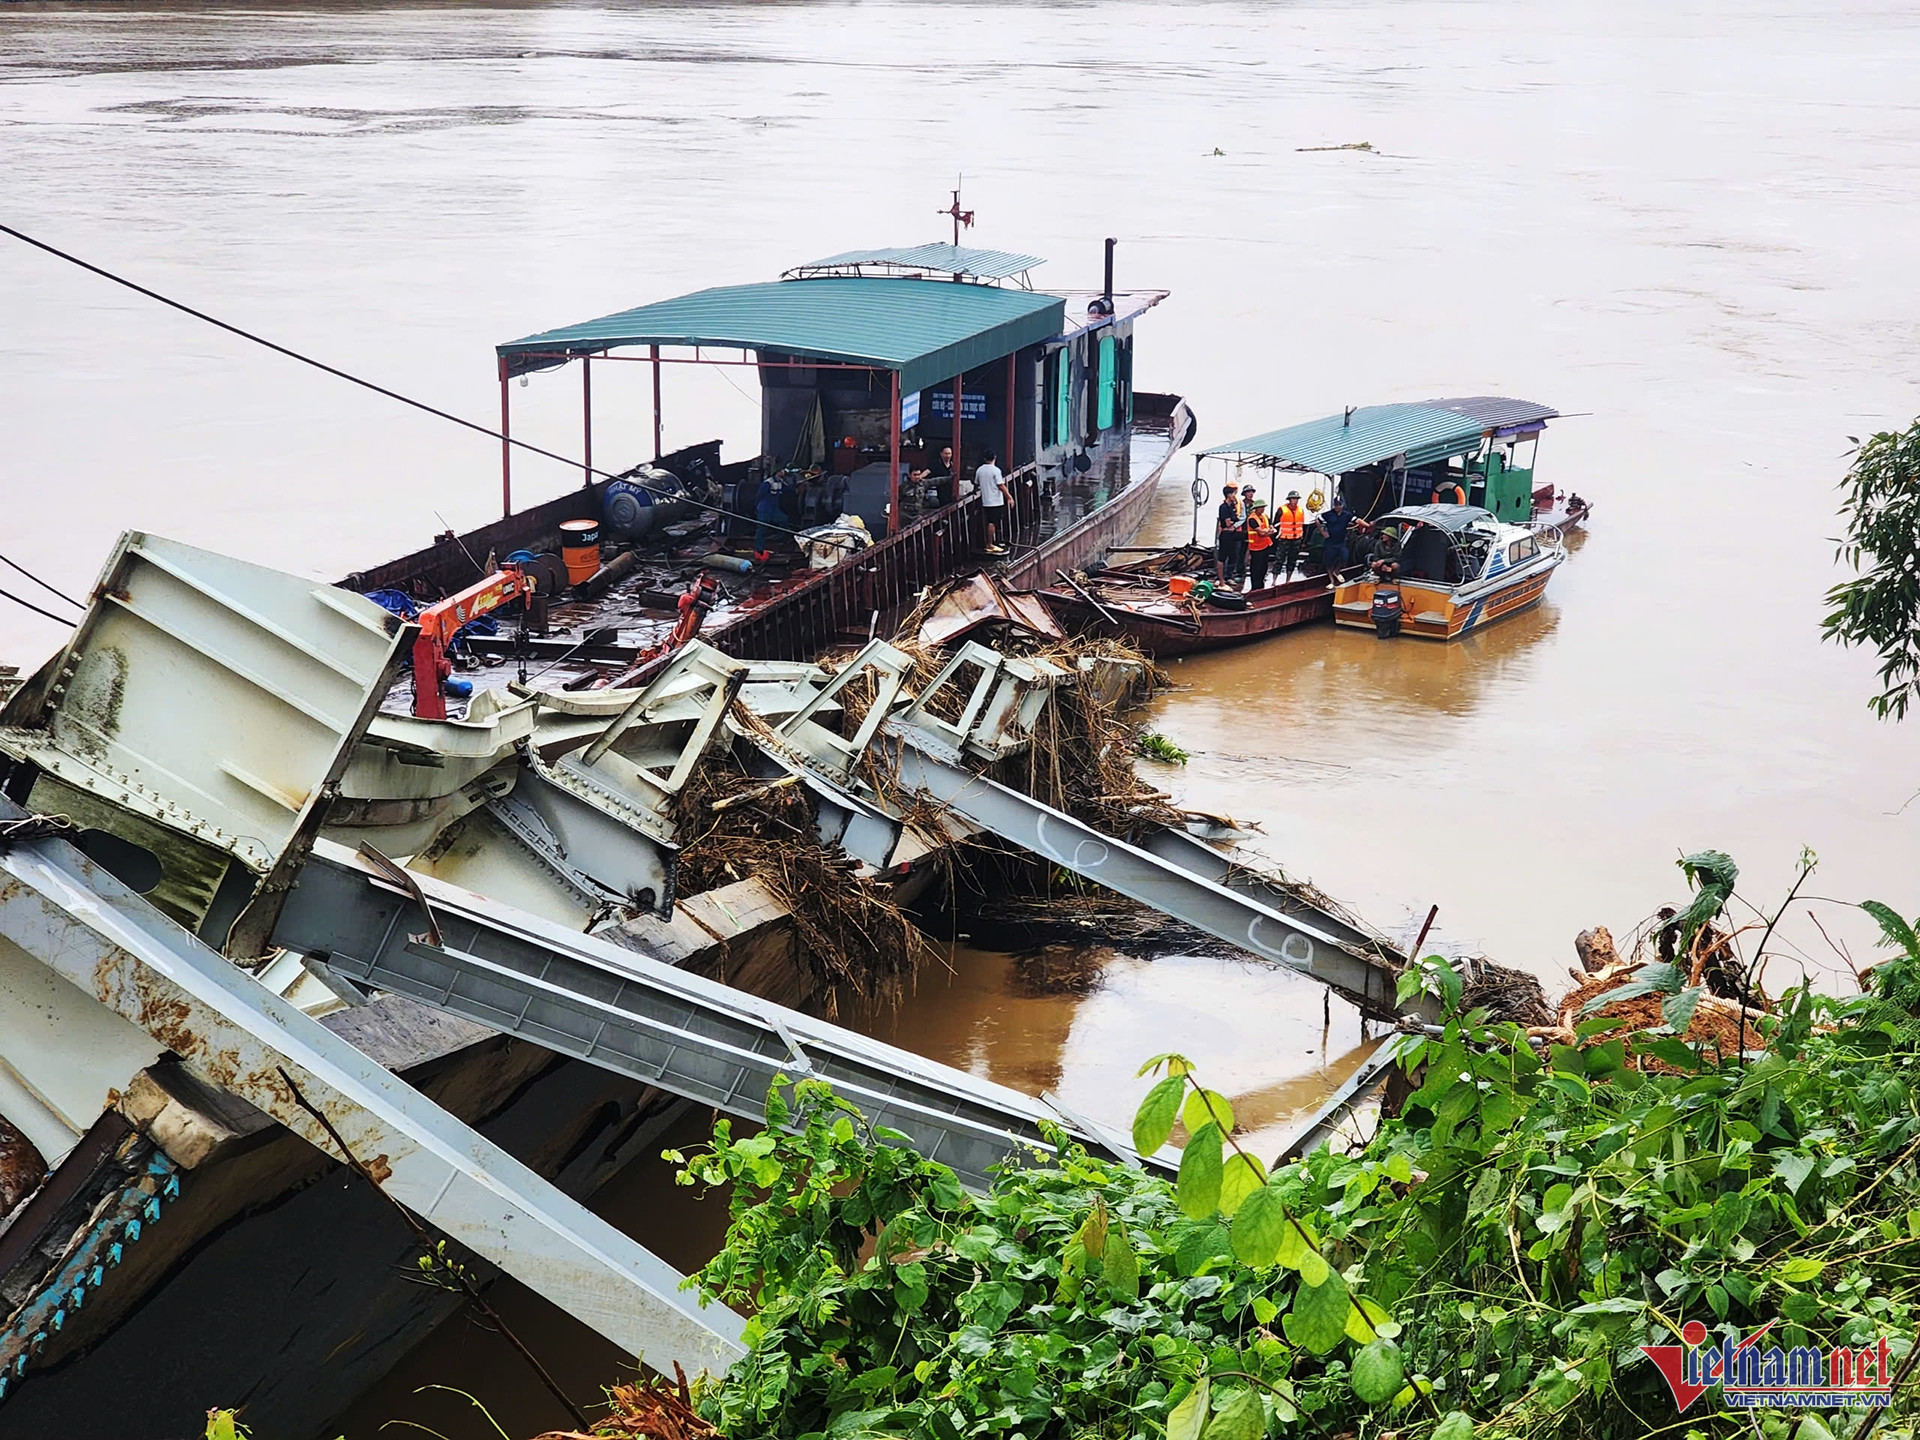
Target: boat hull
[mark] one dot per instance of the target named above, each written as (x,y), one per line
(1269,611)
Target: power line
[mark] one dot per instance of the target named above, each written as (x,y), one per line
(364,384)
(42,584)
(28,604)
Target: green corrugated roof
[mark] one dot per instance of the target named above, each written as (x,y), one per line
(1372,433)
(928,330)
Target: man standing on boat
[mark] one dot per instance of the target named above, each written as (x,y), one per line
(1335,523)
(993,501)
(1229,536)
(1291,525)
(1259,544)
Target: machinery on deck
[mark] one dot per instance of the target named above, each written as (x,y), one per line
(441,622)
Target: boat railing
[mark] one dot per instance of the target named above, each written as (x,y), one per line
(847,601)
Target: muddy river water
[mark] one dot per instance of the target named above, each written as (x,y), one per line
(1689,226)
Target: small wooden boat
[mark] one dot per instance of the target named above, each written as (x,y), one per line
(1458,570)
(1564,510)
(1166,604)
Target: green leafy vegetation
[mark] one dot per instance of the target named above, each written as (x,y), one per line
(1880,606)
(1488,1264)
(1155,746)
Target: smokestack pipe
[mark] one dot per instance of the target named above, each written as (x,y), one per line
(1107,293)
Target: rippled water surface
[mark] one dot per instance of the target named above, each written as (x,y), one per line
(1689,226)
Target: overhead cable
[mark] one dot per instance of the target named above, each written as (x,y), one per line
(42,584)
(365,384)
(28,604)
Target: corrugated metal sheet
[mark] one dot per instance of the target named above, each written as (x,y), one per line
(950,259)
(1372,433)
(1496,412)
(928,330)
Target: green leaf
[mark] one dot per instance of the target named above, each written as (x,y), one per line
(1385,1327)
(1206,1106)
(1198,1187)
(1670,1049)
(1121,1266)
(1798,1272)
(910,1286)
(1177,1065)
(1093,1234)
(1241,1418)
(1717,1301)
(1730,1215)
(1893,929)
(1260,1229)
(1153,1121)
(1677,1010)
(1458,1425)
(1812,1428)
(1313,1268)
(1360,1328)
(1293,1247)
(1378,1372)
(1073,1270)
(1264,1310)
(1239,1178)
(1318,1319)
(1189,1417)
(1794,1169)
(1398,1167)
(1458,1103)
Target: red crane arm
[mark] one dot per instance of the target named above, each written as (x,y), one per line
(440,622)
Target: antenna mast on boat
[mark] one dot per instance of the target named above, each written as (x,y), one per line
(960,217)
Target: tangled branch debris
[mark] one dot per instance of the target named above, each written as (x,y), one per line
(649,1409)
(851,933)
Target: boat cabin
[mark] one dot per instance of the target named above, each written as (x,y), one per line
(1381,457)
(870,363)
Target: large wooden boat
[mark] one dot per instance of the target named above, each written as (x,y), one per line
(890,354)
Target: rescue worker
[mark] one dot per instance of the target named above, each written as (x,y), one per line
(1291,526)
(1259,544)
(1386,552)
(1229,536)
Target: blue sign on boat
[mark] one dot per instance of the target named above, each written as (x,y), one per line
(910,410)
(972,407)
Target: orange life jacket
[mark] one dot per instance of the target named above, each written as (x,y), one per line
(1293,522)
(1259,531)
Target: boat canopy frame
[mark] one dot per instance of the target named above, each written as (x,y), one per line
(1401,435)
(919,331)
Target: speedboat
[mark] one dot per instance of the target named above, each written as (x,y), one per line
(1440,571)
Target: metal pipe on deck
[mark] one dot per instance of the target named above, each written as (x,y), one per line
(586,420)
(654,351)
(506,443)
(893,460)
(1006,456)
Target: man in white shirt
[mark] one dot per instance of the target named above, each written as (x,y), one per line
(993,501)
